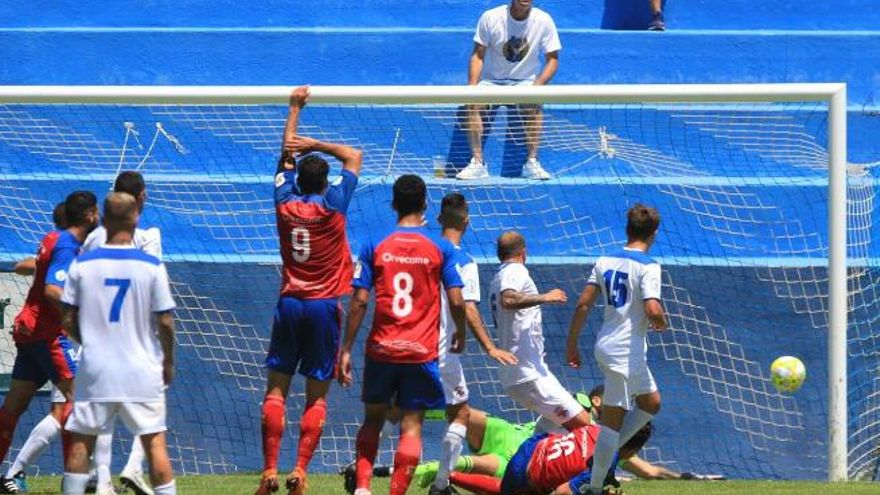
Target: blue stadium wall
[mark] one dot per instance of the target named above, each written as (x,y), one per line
(388,42)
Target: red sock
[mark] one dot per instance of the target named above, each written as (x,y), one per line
(409,451)
(7,431)
(310,427)
(367,447)
(65,435)
(273,428)
(476,483)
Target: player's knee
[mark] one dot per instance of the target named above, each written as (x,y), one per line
(650,403)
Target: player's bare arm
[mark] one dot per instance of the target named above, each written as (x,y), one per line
(165,324)
(298,99)
(357,309)
(475,322)
(656,315)
(512,299)
(351,158)
(70,321)
(53,294)
(25,267)
(551,65)
(458,312)
(475,66)
(579,318)
(645,470)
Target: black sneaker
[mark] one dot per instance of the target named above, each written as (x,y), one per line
(8,485)
(657,23)
(449,490)
(350,482)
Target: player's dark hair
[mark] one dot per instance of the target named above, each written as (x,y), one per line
(311,174)
(453,210)
(77,207)
(641,222)
(639,440)
(58,216)
(510,244)
(409,195)
(130,182)
(598,391)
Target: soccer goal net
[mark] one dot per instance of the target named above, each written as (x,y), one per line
(766,246)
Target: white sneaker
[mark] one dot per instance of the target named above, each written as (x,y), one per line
(134,481)
(533,170)
(105,490)
(476,169)
(362,491)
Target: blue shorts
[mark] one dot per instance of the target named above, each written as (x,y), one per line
(305,337)
(417,387)
(516,476)
(45,360)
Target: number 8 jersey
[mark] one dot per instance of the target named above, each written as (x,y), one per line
(625,279)
(406,268)
(314,247)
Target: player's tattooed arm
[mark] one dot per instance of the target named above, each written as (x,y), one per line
(581,311)
(475,322)
(70,321)
(298,99)
(165,323)
(357,309)
(512,299)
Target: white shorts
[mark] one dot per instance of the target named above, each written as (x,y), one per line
(620,389)
(547,397)
(94,418)
(455,388)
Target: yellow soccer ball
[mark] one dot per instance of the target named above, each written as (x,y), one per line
(788,373)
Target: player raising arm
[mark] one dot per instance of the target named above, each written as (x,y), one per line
(317,270)
(110,301)
(407,268)
(629,283)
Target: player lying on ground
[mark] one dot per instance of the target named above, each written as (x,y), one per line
(113,295)
(407,268)
(317,271)
(629,284)
(454,220)
(558,464)
(43,352)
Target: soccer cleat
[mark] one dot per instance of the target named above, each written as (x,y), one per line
(105,490)
(449,490)
(476,169)
(92,484)
(7,485)
(21,481)
(533,170)
(657,23)
(349,481)
(134,481)
(296,482)
(268,483)
(425,473)
(362,491)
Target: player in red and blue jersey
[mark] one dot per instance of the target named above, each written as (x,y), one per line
(317,270)
(406,267)
(558,464)
(43,352)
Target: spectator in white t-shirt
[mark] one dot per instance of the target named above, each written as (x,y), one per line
(507,48)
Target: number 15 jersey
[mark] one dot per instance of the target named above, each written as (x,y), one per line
(311,229)
(406,267)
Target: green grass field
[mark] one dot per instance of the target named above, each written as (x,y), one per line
(332,485)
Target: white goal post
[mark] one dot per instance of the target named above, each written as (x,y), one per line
(833,94)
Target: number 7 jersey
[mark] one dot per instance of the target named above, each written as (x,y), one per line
(311,229)
(406,267)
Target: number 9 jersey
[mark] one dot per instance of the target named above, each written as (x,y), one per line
(406,268)
(314,247)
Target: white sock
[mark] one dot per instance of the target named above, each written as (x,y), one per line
(169,488)
(102,455)
(75,483)
(633,421)
(41,436)
(450,450)
(136,456)
(606,445)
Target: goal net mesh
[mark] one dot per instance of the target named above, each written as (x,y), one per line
(742,189)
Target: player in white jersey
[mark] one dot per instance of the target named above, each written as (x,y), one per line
(454,220)
(112,296)
(516,309)
(629,283)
